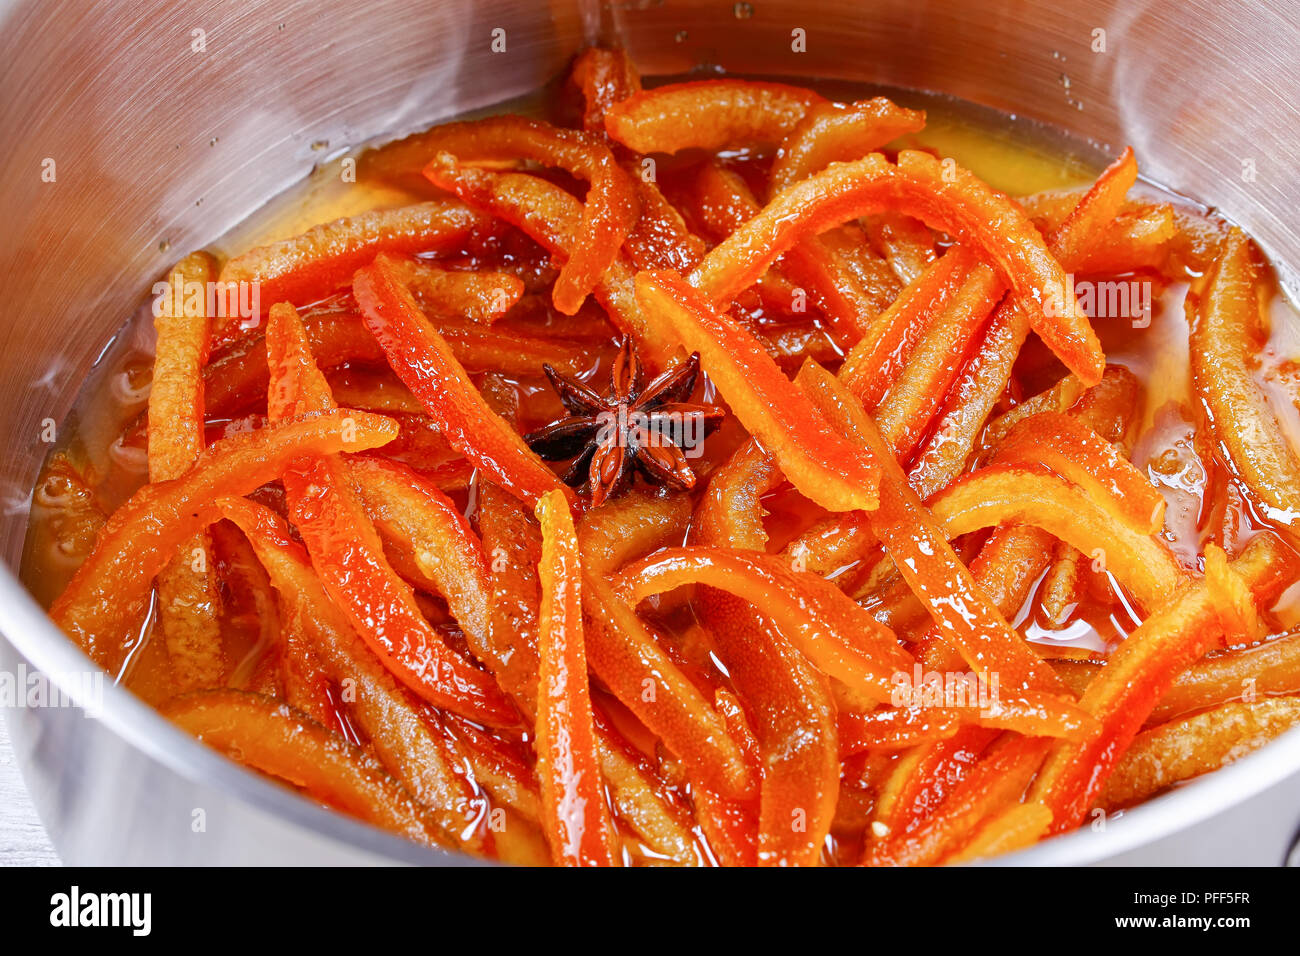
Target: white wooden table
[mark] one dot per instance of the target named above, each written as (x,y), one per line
(22,838)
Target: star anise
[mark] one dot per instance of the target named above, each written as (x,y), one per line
(634,428)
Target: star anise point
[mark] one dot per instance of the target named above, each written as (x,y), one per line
(611,437)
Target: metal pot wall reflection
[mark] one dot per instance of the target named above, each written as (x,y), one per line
(164,124)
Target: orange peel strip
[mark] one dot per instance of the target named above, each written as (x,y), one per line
(1139,673)
(1227,329)
(577,820)
(819,462)
(708,114)
(835,132)
(105,600)
(955,202)
(611,205)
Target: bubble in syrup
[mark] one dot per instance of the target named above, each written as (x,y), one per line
(130,458)
(132,384)
(55,492)
(743,11)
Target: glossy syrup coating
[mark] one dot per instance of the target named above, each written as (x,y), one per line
(695,657)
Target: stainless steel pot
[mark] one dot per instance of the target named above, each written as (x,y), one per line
(164,124)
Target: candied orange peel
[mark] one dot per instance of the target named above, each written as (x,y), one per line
(892,582)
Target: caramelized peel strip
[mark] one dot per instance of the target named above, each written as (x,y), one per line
(265,734)
(312,265)
(189,599)
(1030,494)
(1138,675)
(107,595)
(347,553)
(920,550)
(842,639)
(628,659)
(479,296)
(1190,746)
(965,208)
(409,509)
(607,215)
(551,217)
(820,463)
(423,361)
(577,820)
(709,115)
(1227,329)
(835,132)
(1074,451)
(389,714)
(976,391)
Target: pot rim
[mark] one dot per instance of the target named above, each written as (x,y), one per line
(26,626)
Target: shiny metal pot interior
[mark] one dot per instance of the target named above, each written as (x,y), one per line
(168,122)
